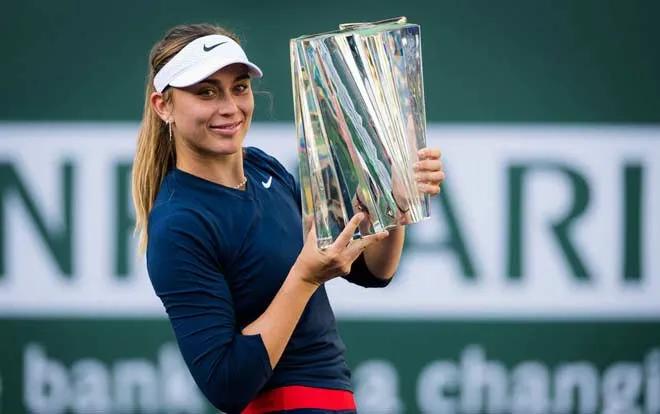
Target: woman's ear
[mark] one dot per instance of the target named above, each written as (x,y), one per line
(161,106)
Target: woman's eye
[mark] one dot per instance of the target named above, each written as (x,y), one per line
(242,88)
(206,92)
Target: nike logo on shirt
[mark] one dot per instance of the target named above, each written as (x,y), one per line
(267,183)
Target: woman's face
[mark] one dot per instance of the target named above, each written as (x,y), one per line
(213,116)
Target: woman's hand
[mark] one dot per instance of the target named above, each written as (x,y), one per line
(318,266)
(429,171)
(429,175)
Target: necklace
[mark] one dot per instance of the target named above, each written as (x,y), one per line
(238,187)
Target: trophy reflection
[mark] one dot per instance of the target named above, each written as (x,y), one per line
(360,120)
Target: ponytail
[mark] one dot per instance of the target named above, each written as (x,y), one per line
(153,157)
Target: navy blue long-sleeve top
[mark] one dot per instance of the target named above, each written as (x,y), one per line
(216,257)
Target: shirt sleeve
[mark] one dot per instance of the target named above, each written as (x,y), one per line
(361,275)
(228,367)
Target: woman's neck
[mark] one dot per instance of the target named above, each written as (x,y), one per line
(225,170)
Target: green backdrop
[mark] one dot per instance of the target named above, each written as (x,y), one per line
(484,61)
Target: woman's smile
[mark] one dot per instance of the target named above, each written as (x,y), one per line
(226,129)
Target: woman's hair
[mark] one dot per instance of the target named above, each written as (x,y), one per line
(155,153)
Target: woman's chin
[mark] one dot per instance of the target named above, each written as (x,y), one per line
(225,149)
(224,146)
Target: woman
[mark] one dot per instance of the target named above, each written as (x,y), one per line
(222,229)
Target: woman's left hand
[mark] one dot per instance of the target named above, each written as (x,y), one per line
(429,171)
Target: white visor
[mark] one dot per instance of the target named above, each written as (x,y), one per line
(200,59)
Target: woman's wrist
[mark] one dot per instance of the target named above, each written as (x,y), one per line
(299,278)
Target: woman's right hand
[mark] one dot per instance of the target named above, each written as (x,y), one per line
(318,266)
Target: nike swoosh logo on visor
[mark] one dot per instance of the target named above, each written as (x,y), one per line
(209,48)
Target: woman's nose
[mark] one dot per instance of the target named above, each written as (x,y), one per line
(227,105)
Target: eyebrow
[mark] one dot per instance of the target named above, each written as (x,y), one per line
(216,82)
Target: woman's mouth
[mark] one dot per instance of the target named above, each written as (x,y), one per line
(227,129)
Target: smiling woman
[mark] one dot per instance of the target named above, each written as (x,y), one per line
(212,118)
(221,223)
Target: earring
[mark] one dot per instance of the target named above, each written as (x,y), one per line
(169,127)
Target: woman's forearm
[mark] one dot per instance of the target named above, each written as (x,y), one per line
(383,257)
(277,323)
